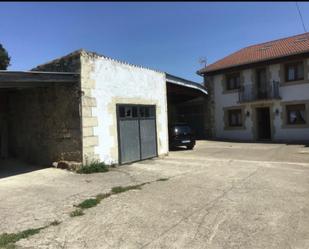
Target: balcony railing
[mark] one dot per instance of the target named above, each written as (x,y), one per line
(250,92)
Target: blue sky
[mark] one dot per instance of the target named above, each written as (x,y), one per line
(170,37)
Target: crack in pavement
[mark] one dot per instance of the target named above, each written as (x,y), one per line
(207,207)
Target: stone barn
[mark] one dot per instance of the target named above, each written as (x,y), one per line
(86,106)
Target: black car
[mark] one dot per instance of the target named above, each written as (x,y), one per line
(181,134)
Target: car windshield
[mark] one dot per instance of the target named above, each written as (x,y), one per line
(182,129)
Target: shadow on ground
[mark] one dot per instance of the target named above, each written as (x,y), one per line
(177,149)
(304,143)
(12,167)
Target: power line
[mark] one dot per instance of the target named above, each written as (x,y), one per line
(301,17)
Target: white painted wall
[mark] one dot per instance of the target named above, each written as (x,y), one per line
(287,93)
(117,82)
(228,100)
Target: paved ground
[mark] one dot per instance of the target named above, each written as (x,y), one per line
(221,195)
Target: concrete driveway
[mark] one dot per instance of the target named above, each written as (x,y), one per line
(220,195)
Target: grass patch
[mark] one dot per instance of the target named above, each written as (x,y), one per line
(162,179)
(120,189)
(94,166)
(8,240)
(92,202)
(77,212)
(89,203)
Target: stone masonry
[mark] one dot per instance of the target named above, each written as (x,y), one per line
(81,62)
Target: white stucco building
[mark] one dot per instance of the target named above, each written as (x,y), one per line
(261,92)
(123,107)
(132,88)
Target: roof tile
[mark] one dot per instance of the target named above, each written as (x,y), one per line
(262,52)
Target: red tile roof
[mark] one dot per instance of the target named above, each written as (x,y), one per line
(293,45)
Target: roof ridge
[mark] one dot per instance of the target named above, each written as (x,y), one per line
(82,50)
(120,61)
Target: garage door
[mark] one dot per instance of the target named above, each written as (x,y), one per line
(136,132)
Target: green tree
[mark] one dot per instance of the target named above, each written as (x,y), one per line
(4,58)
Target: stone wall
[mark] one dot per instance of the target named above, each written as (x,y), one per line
(68,63)
(89,102)
(44,124)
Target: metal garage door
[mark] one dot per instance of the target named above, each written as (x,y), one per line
(137,136)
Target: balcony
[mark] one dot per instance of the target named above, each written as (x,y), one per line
(251,93)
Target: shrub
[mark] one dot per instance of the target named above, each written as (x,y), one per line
(94,166)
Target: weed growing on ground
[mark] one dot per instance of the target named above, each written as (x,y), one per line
(89,203)
(120,189)
(77,212)
(8,240)
(162,179)
(94,166)
(100,197)
(55,223)
(92,202)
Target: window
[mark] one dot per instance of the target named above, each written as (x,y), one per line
(121,112)
(294,71)
(296,114)
(135,111)
(233,81)
(128,111)
(142,112)
(235,118)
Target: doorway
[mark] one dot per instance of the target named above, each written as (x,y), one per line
(263,123)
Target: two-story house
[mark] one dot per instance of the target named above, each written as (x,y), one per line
(260,92)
